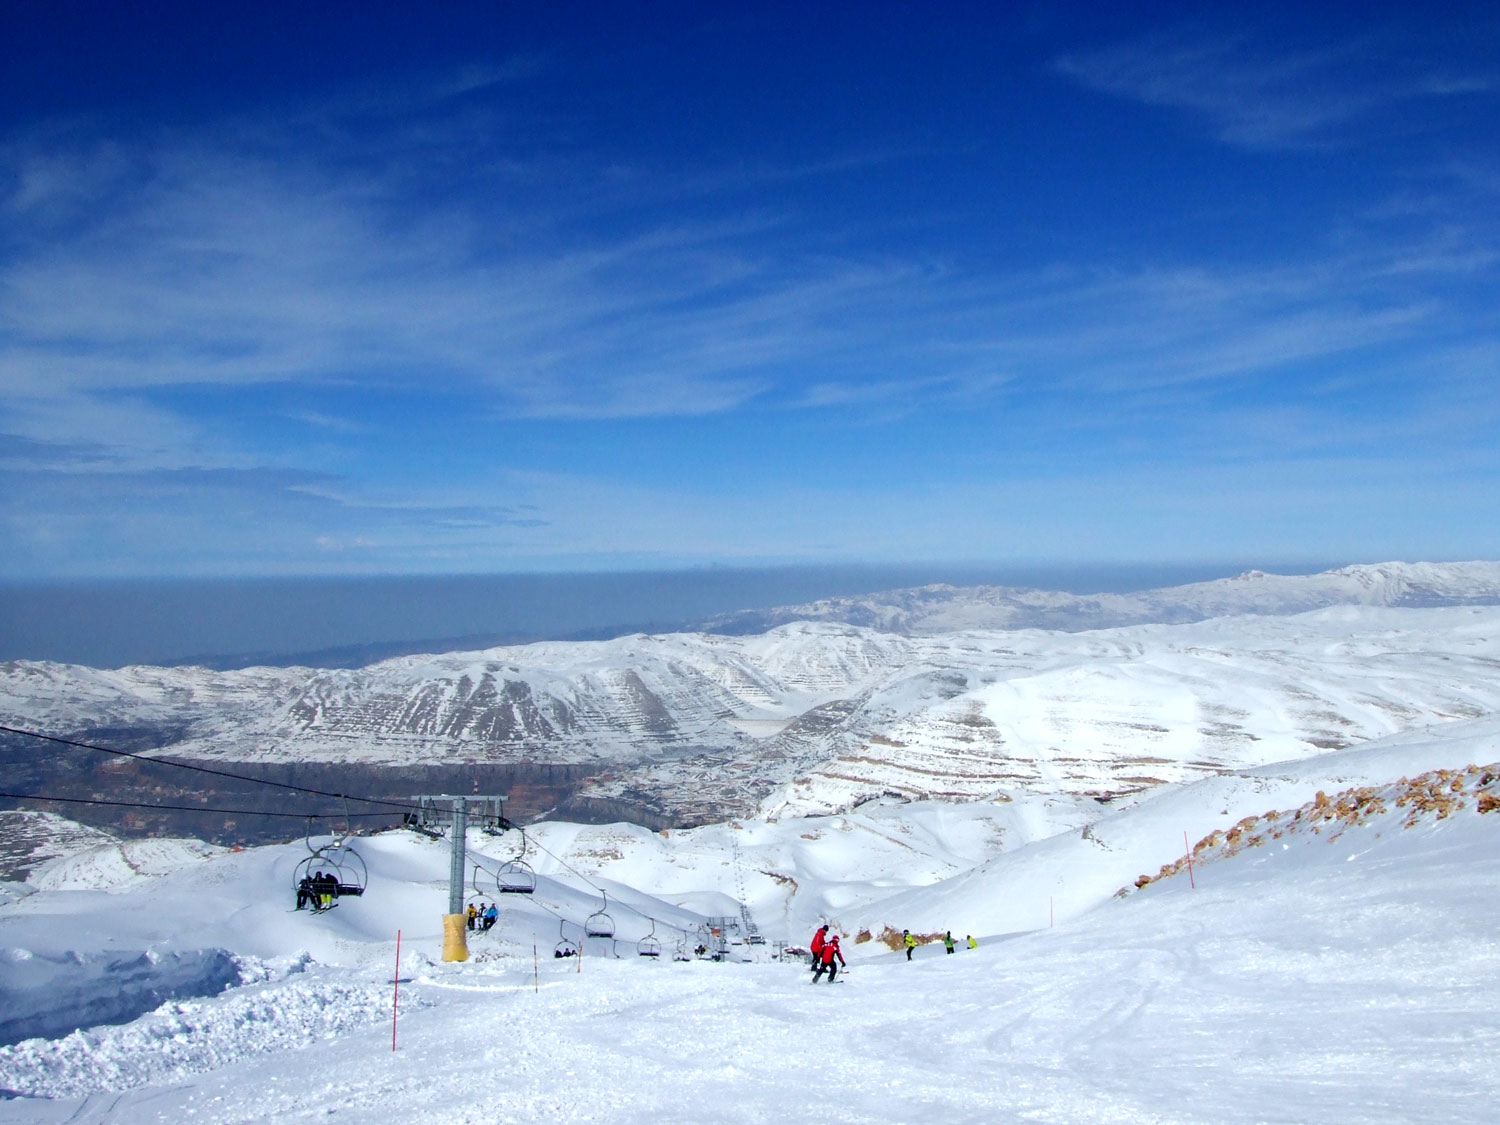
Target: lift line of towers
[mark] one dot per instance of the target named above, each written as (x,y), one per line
(336,869)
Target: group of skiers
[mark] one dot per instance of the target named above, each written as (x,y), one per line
(317,891)
(481,917)
(827,957)
(909,941)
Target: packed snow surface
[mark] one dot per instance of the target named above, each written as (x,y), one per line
(1347,969)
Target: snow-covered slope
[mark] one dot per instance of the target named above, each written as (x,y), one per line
(29,840)
(1344,971)
(1102,714)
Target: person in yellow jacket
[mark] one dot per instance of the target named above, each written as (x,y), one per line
(470,914)
(972,943)
(909,939)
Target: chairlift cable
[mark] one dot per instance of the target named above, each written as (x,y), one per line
(176,808)
(201,769)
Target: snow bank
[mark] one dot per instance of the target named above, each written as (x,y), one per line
(295,1006)
(43,996)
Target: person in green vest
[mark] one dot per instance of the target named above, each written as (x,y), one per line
(908,939)
(948,942)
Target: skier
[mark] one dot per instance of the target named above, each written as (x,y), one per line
(491,915)
(972,943)
(948,941)
(304,891)
(910,941)
(831,959)
(469,915)
(816,945)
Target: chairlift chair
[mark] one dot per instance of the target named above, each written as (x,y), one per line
(427,820)
(495,823)
(336,860)
(649,946)
(516,878)
(565,947)
(599,924)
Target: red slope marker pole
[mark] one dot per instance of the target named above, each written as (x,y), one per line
(395,990)
(1193,883)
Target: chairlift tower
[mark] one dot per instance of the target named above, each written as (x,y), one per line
(455,940)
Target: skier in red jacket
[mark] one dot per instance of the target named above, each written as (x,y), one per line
(816,945)
(831,959)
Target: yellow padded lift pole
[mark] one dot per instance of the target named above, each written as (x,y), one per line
(455,938)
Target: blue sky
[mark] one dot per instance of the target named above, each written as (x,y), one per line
(583,287)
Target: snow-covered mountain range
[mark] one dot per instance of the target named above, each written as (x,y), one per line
(946,698)
(1233,869)
(942,608)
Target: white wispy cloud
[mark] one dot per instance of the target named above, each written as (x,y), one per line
(216,268)
(1256,94)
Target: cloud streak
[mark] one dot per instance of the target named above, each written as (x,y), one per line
(1256,97)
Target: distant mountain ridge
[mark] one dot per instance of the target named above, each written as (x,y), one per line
(925,610)
(957,694)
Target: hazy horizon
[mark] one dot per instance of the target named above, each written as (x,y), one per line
(230,621)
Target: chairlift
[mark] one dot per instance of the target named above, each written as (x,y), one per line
(479,900)
(427,820)
(330,871)
(599,924)
(705,942)
(566,947)
(493,822)
(516,876)
(649,946)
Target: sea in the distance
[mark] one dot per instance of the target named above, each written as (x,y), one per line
(353,621)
